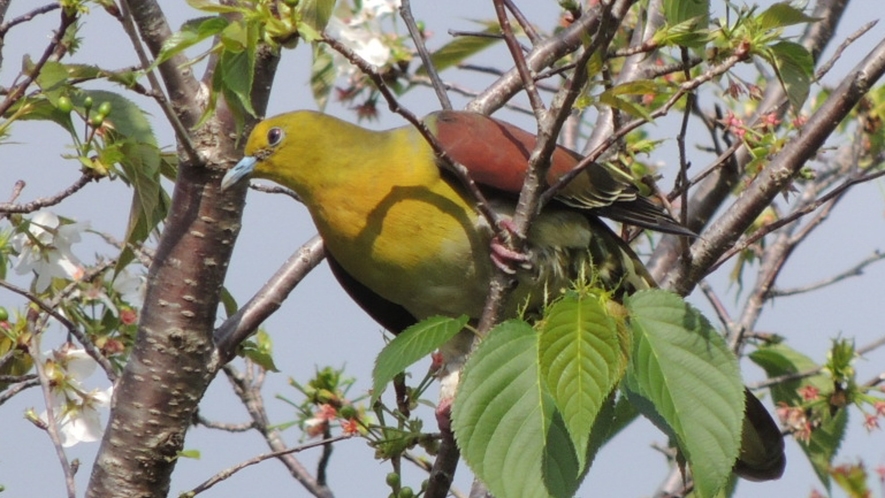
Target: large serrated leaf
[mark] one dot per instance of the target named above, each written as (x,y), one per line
(686,371)
(822,446)
(506,424)
(411,345)
(580,361)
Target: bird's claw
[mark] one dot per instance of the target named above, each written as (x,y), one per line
(504,258)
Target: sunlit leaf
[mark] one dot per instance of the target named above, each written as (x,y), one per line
(691,379)
(411,345)
(507,427)
(581,362)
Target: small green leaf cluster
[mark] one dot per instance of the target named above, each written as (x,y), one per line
(325,404)
(762,35)
(241,30)
(259,349)
(813,402)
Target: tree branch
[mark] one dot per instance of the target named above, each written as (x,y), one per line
(777,175)
(267,300)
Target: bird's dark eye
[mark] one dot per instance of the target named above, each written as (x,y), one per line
(274,136)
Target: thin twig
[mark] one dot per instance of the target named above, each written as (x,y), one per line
(226,473)
(854,271)
(30,207)
(765,230)
(249,393)
(524,23)
(14,389)
(275,189)
(405,11)
(771,381)
(67,20)
(518,56)
(718,307)
(825,67)
(243,427)
(5,27)
(71,327)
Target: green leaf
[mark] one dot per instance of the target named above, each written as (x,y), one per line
(131,143)
(686,371)
(822,446)
(622,97)
(687,22)
(687,33)
(53,79)
(461,48)
(411,345)
(40,108)
(316,13)
(192,32)
(580,361)
(679,11)
(781,15)
(150,203)
(238,69)
(213,6)
(853,480)
(794,67)
(228,302)
(259,349)
(126,117)
(506,424)
(195,454)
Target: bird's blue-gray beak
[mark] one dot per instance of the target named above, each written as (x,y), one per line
(238,172)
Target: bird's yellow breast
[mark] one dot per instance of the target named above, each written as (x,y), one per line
(401,229)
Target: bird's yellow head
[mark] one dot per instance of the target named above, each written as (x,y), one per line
(266,140)
(285,148)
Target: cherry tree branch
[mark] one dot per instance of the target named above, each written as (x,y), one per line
(267,300)
(777,175)
(405,11)
(229,472)
(709,196)
(7,208)
(855,271)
